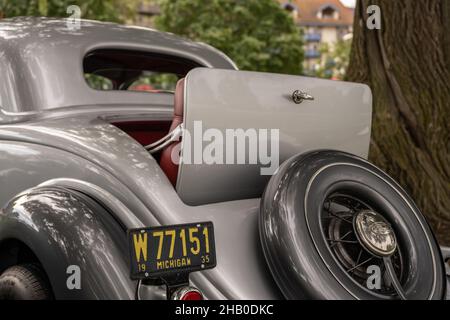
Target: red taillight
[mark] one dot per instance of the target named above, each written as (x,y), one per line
(187,293)
(192,295)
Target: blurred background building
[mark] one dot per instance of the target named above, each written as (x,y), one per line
(324,23)
(326,26)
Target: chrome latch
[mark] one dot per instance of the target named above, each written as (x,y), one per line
(299,96)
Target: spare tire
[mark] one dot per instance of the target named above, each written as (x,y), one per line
(333,226)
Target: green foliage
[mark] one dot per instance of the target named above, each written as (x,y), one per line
(256,34)
(98,82)
(334,60)
(158,81)
(111,10)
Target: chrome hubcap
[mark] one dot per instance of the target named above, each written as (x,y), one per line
(375,233)
(358,237)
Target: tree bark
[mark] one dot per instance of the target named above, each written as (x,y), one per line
(407,65)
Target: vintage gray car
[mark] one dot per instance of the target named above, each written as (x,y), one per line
(120,178)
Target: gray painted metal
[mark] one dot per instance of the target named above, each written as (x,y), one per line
(55,133)
(64,229)
(41,61)
(84,152)
(339,118)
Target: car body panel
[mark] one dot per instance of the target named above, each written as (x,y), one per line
(55,132)
(90,150)
(66,230)
(41,61)
(338,118)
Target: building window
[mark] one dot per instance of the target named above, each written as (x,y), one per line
(292,9)
(328,12)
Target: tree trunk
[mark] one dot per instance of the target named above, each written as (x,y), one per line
(407,65)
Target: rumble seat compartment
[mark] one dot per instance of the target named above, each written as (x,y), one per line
(144,132)
(338,118)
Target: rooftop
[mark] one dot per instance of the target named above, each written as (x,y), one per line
(319,12)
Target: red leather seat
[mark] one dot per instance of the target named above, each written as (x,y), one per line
(167,165)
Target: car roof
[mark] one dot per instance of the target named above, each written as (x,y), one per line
(41,59)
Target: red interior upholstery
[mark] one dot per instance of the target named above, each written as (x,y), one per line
(144,132)
(166,163)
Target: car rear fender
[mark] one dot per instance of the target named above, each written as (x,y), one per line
(66,228)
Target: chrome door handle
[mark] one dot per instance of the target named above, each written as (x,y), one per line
(299,96)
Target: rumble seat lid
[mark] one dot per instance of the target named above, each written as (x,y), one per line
(219,101)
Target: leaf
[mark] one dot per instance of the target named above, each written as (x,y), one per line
(256,34)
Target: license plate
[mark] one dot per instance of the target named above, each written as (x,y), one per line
(158,251)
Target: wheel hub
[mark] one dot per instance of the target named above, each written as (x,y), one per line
(375,233)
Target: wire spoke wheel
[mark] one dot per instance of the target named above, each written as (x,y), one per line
(338,225)
(333,226)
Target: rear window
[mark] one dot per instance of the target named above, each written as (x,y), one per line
(110,69)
